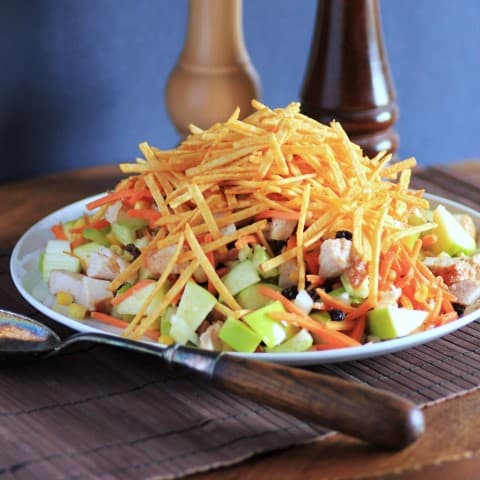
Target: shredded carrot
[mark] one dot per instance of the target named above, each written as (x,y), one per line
(110,198)
(311,259)
(77,242)
(139,195)
(360,310)
(127,293)
(58,232)
(274,295)
(147,214)
(116,322)
(333,303)
(291,242)
(304,320)
(359,328)
(429,240)
(246,240)
(332,337)
(97,225)
(284,215)
(315,280)
(446,318)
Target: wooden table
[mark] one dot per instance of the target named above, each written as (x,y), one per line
(450,448)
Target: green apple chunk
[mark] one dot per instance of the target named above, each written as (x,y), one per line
(393,322)
(259,256)
(181,331)
(300,342)
(238,336)
(242,275)
(123,234)
(452,237)
(132,304)
(195,304)
(251,297)
(271,331)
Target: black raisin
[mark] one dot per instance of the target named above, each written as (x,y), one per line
(276,246)
(290,292)
(132,250)
(328,285)
(314,295)
(337,315)
(344,234)
(459,308)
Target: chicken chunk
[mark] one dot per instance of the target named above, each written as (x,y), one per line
(89,292)
(157,260)
(97,294)
(112,212)
(210,339)
(70,282)
(281,229)
(288,274)
(105,264)
(334,257)
(466,291)
(452,270)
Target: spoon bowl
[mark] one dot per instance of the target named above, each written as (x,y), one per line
(22,337)
(387,420)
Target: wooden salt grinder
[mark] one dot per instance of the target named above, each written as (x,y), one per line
(348,78)
(213,74)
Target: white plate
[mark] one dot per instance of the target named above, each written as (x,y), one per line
(24,261)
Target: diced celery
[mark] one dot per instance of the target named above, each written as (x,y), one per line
(123,234)
(132,223)
(85,250)
(58,257)
(97,236)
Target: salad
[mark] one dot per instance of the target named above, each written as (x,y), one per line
(269,234)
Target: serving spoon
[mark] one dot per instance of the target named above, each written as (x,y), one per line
(367,413)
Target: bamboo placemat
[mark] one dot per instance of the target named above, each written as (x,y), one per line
(100,413)
(96,412)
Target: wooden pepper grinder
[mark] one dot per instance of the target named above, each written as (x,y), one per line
(213,74)
(348,77)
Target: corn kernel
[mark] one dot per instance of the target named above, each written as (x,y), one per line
(392,275)
(142,204)
(77,311)
(113,240)
(166,340)
(116,249)
(64,298)
(421,294)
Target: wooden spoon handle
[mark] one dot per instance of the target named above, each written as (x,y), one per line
(364,412)
(373,415)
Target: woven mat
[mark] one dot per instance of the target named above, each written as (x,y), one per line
(98,413)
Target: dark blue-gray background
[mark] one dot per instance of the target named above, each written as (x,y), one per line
(82,81)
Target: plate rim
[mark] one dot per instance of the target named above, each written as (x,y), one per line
(301,358)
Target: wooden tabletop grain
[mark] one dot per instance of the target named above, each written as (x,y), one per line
(450,448)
